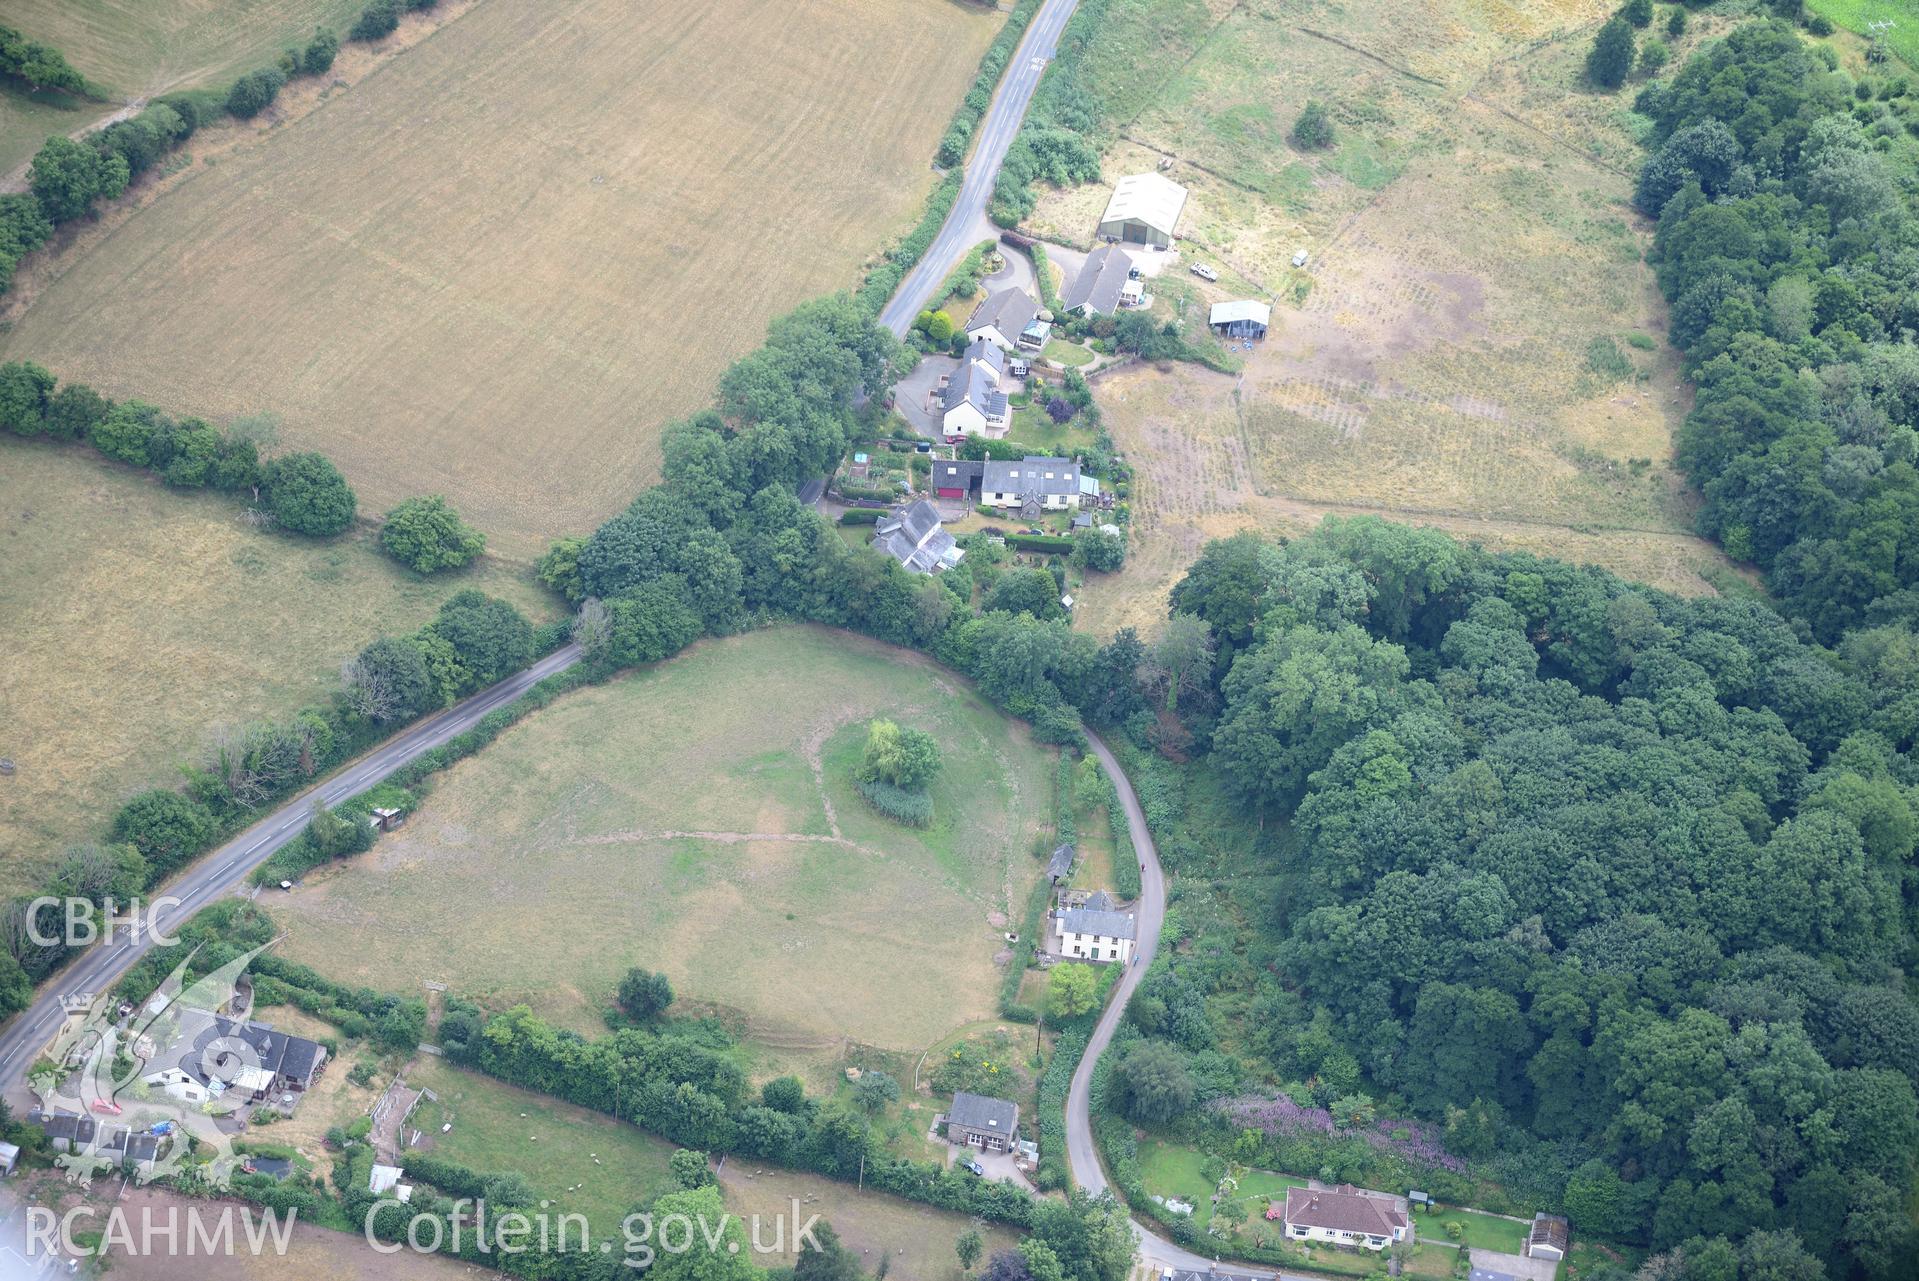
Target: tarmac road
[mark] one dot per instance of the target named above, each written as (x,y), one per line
(216,873)
(966,224)
(1082,1157)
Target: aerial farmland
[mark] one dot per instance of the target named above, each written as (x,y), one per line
(496,267)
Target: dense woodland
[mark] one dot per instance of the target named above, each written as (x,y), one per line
(1788,246)
(1618,887)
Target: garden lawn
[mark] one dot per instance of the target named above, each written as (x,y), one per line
(581,1160)
(1171,1170)
(1484,1231)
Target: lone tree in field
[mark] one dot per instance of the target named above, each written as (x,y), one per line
(968,1246)
(307,494)
(1611,59)
(908,759)
(426,535)
(644,994)
(1314,128)
(895,771)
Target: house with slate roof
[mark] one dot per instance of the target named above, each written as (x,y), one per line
(212,1054)
(1104,284)
(914,537)
(973,404)
(1031,485)
(1002,317)
(1089,933)
(977,1121)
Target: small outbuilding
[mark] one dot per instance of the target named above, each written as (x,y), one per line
(1549,1238)
(1144,210)
(1060,866)
(1242,319)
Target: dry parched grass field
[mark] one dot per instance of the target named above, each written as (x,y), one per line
(138,49)
(1475,340)
(139,618)
(699,818)
(496,266)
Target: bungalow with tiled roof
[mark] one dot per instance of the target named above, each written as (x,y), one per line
(1345,1216)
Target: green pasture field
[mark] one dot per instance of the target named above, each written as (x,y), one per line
(699,818)
(1902,37)
(582,1161)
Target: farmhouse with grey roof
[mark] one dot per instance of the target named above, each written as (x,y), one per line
(209,1047)
(973,404)
(1095,934)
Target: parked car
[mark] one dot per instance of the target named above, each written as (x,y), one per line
(973,1167)
(1299,258)
(1204,272)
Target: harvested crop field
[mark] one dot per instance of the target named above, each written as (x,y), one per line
(699,818)
(1474,341)
(502,261)
(138,49)
(140,618)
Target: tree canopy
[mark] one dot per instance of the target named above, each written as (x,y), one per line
(1610,877)
(426,535)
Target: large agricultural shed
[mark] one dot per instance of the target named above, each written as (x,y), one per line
(1144,210)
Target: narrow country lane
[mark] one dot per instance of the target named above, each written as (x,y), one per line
(225,868)
(1082,1157)
(966,225)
